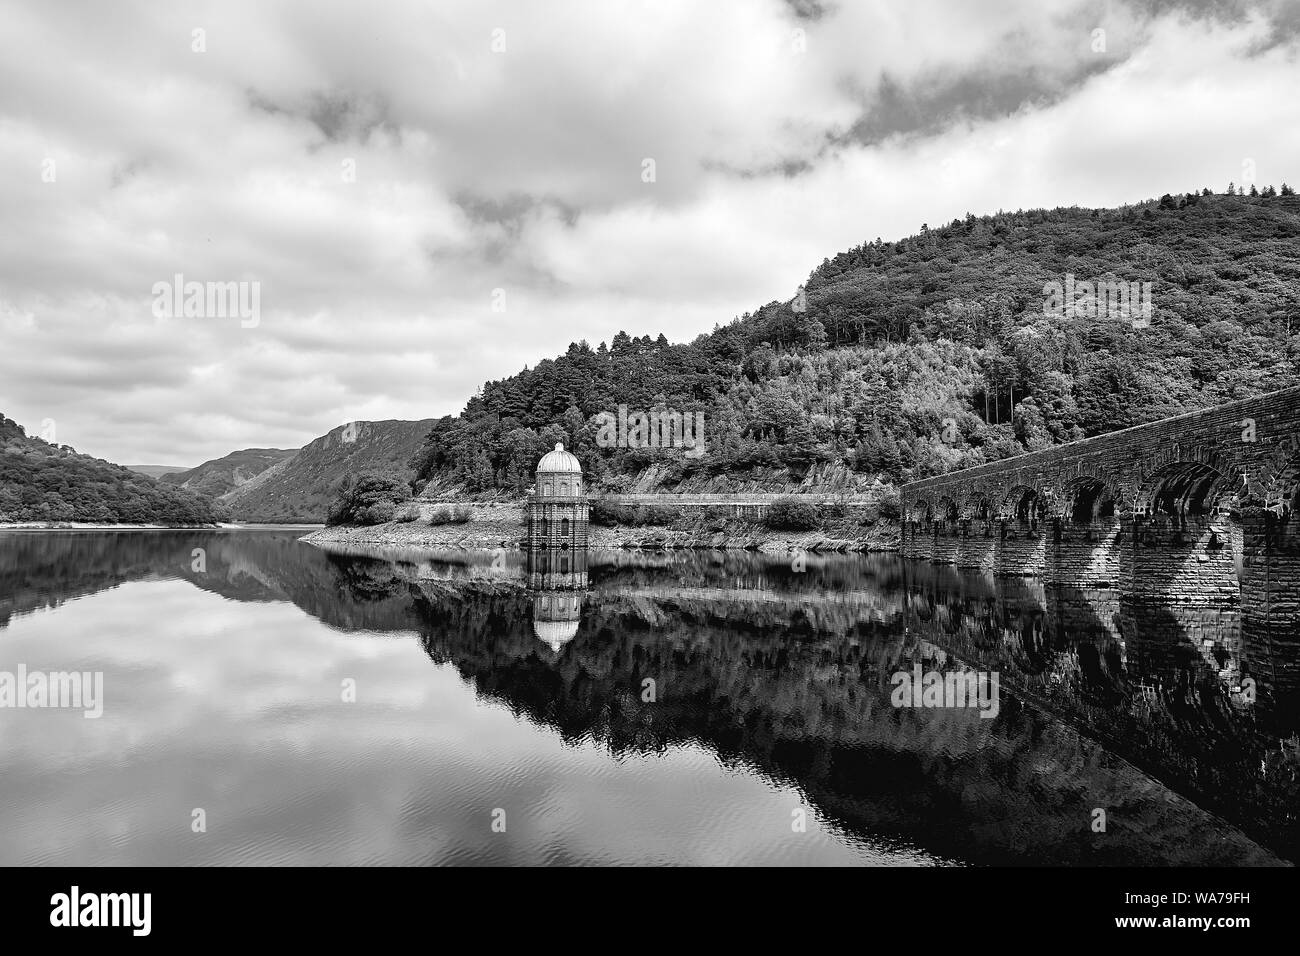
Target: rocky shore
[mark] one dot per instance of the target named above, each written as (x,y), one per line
(501,525)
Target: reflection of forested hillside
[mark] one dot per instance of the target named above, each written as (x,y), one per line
(789,671)
(814,710)
(44,570)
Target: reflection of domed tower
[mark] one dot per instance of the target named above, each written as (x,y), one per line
(558,577)
(557,505)
(557,569)
(555,617)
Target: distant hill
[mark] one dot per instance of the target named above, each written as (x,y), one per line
(910,358)
(301,486)
(156,471)
(223,475)
(44,482)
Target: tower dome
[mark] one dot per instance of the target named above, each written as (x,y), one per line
(559,461)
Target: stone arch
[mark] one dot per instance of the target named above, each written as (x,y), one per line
(1278,493)
(1025,506)
(920,511)
(978,507)
(1183,490)
(946,514)
(977,514)
(1089,500)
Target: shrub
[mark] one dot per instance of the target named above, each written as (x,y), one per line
(608,514)
(716,523)
(450,514)
(889,504)
(655,515)
(378,513)
(370,499)
(791,514)
(407,514)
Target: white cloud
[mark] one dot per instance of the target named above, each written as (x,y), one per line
(521,170)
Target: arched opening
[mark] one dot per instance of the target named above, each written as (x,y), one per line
(1089,503)
(1283,513)
(1184,494)
(979,510)
(919,512)
(1024,507)
(564,527)
(919,516)
(947,514)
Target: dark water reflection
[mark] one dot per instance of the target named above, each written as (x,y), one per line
(618,708)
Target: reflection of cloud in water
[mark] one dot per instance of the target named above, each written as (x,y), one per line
(772,694)
(236,708)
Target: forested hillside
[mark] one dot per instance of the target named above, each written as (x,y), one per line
(223,475)
(301,486)
(936,352)
(44,482)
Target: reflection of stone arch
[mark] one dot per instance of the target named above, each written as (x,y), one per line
(1183,489)
(1088,500)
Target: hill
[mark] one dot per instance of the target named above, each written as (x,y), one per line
(936,352)
(44,482)
(223,475)
(302,486)
(156,471)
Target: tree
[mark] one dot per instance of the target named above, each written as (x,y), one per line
(791,514)
(370,499)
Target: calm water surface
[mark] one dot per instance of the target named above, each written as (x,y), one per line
(771,738)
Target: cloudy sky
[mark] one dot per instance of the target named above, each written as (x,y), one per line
(388,173)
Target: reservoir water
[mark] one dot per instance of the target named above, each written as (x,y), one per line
(269,701)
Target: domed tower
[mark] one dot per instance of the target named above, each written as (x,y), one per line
(557,504)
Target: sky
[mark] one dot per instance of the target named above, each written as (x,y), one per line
(423,196)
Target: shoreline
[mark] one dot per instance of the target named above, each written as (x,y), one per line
(92,526)
(501,526)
